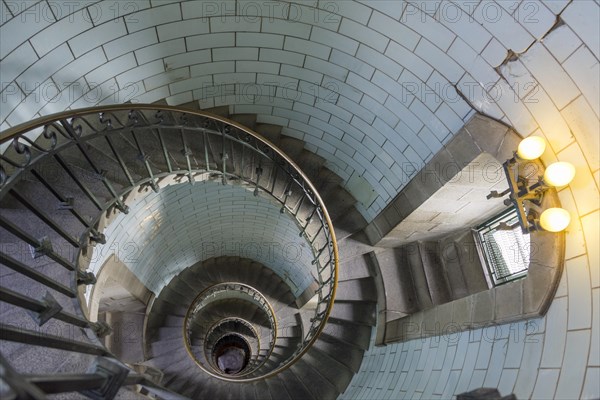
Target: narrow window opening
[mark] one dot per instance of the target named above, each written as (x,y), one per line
(503,248)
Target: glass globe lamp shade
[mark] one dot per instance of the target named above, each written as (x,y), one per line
(555,219)
(559,174)
(531,148)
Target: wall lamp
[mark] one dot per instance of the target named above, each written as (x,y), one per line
(526,198)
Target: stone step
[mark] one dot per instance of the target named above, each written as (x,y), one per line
(435,272)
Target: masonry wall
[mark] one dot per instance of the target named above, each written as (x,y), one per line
(557,356)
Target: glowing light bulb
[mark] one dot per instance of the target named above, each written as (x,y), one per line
(531,148)
(559,174)
(555,219)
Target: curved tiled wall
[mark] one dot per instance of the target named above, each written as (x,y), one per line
(375,87)
(183,224)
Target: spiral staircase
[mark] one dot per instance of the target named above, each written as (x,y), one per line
(225,327)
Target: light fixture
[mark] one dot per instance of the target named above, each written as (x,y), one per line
(559,174)
(531,148)
(527,199)
(555,219)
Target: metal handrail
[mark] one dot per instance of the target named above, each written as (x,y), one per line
(211,294)
(73,129)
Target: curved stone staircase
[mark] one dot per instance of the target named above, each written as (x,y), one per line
(59,225)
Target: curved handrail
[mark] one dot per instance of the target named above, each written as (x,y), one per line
(62,132)
(210,295)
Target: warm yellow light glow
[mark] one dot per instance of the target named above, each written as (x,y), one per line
(555,219)
(531,148)
(559,174)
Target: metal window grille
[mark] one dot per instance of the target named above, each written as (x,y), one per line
(503,248)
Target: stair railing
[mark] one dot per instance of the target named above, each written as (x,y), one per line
(24,148)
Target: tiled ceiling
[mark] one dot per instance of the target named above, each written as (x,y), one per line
(374,87)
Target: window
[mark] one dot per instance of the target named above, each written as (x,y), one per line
(503,248)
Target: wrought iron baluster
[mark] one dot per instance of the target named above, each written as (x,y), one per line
(34,338)
(120,160)
(187,152)
(31,273)
(144,159)
(80,184)
(164,149)
(37,245)
(60,198)
(47,220)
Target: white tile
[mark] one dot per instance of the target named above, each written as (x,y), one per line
(286,27)
(152,17)
(351,63)
(356,109)
(18,30)
(529,366)
(574,365)
(279,55)
(549,119)
(202,9)
(45,67)
(327,68)
(439,60)
(364,34)
(110,69)
(583,184)
(233,24)
(166,78)
(16,62)
(463,25)
(187,59)
(503,26)
(556,333)
(97,36)
(535,17)
(507,381)
(478,97)
(395,30)
(430,119)
(312,15)
(259,40)
(582,17)
(342,88)
(574,241)
(591,387)
(429,28)
(160,50)
(381,62)
(60,32)
(257,67)
(184,28)
(130,42)
(235,53)
(352,10)
(545,385)
(234,78)
(473,63)
(556,6)
(334,40)
(210,41)
(591,231)
(562,42)
(583,68)
(104,11)
(5,13)
(367,87)
(302,74)
(389,117)
(393,9)
(140,73)
(307,47)
(585,127)
(494,53)
(520,117)
(580,298)
(404,91)
(550,75)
